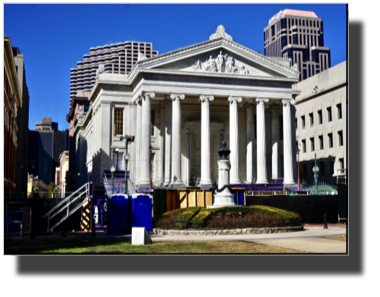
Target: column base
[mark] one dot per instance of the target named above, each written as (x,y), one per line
(205,185)
(235,182)
(223,200)
(177,186)
(289,182)
(263,181)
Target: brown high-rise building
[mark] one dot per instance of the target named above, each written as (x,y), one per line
(298,35)
(117,58)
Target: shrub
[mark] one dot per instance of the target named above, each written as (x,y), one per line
(168,220)
(241,217)
(184,220)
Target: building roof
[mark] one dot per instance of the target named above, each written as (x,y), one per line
(291,12)
(300,13)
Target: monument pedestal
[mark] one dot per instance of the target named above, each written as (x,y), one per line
(223,197)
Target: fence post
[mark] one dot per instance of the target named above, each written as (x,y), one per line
(325,227)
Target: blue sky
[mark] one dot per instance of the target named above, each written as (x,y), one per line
(53,38)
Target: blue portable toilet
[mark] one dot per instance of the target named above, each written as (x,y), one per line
(142,211)
(119,215)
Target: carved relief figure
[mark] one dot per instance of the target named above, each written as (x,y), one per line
(197,66)
(230,65)
(242,70)
(211,65)
(220,61)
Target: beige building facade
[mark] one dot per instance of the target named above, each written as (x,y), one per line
(321,124)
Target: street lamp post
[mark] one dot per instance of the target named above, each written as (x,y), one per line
(298,166)
(315,170)
(150,167)
(128,139)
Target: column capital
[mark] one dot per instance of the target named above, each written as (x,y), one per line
(287,101)
(261,100)
(147,94)
(138,100)
(204,98)
(174,96)
(234,98)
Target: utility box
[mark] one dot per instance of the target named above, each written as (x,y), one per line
(119,214)
(142,211)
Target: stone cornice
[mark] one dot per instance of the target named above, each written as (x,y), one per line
(264,61)
(322,91)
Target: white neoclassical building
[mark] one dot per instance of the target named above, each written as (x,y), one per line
(184,103)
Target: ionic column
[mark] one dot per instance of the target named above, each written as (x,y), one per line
(138,140)
(251,162)
(261,147)
(146,132)
(287,142)
(275,140)
(234,140)
(205,142)
(176,140)
(168,143)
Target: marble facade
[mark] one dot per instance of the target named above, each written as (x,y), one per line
(184,103)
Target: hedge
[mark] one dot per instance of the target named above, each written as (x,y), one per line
(184,220)
(206,213)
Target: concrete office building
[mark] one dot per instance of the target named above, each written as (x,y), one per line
(118,58)
(298,35)
(184,103)
(51,143)
(321,110)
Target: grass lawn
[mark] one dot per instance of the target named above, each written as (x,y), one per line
(75,245)
(338,237)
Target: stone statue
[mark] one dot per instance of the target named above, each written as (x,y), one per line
(211,65)
(220,61)
(230,65)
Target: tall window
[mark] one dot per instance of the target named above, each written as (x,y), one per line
(303,122)
(320,142)
(340,134)
(304,145)
(339,110)
(329,118)
(341,163)
(118,121)
(312,144)
(311,118)
(320,120)
(330,140)
(332,167)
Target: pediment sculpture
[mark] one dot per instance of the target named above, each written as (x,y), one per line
(222,63)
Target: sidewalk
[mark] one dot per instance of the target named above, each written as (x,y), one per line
(309,240)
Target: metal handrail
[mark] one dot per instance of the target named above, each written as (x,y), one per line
(71,212)
(66,206)
(63,201)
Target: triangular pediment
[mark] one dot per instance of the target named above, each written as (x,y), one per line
(220,56)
